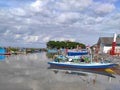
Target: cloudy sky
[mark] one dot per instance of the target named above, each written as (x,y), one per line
(32,23)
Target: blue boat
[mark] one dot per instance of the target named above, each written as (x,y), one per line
(2,51)
(81,64)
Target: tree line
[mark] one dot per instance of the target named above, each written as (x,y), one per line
(64,44)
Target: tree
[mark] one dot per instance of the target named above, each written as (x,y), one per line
(64,44)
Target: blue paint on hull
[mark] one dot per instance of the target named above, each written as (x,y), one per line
(84,66)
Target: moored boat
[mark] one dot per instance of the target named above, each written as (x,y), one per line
(5,53)
(81,65)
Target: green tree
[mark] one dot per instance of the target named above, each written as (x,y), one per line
(64,44)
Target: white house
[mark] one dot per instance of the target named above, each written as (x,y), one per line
(104,44)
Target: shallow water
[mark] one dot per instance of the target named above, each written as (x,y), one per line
(30,72)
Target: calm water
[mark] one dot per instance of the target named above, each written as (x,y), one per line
(30,72)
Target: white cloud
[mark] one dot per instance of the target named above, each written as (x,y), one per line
(46,39)
(68,17)
(73,5)
(17,36)
(107,1)
(37,5)
(63,39)
(112,23)
(42,20)
(99,19)
(104,8)
(17,11)
(31,39)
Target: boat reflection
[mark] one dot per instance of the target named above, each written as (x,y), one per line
(2,57)
(84,72)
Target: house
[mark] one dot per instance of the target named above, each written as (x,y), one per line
(104,44)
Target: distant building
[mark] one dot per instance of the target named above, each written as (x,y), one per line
(104,44)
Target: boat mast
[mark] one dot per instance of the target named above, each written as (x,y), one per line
(90,56)
(90,53)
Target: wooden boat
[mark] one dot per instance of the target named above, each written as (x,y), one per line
(81,65)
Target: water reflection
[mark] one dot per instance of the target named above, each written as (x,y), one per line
(30,71)
(83,72)
(2,57)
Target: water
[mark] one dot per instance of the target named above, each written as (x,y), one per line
(30,72)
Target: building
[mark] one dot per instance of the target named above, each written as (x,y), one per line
(104,44)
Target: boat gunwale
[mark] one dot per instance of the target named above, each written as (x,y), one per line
(83,65)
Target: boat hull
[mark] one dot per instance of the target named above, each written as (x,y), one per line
(5,54)
(81,66)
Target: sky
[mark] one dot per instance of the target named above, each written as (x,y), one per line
(32,23)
